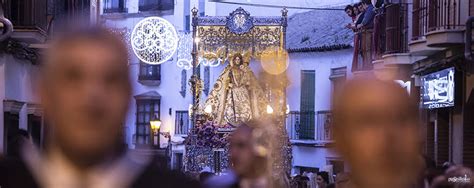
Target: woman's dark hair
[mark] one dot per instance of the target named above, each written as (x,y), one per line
(324,175)
(348,7)
(237,55)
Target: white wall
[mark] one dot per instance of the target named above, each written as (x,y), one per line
(18,81)
(312,156)
(321,62)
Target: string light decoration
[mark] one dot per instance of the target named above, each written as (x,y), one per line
(154,40)
(185,47)
(185,59)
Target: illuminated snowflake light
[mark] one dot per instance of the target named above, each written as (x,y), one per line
(154,40)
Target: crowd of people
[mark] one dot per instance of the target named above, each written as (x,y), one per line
(362,15)
(85,91)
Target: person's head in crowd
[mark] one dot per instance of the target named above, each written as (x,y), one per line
(355,9)
(322,179)
(376,131)
(366,3)
(455,176)
(342,180)
(85,90)
(348,9)
(250,150)
(361,7)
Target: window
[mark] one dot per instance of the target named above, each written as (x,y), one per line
(307,115)
(187,15)
(338,77)
(34,128)
(202,7)
(182,122)
(31,14)
(155,5)
(149,74)
(147,107)
(111,6)
(178,162)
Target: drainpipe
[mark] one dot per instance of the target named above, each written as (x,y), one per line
(468,40)
(7,25)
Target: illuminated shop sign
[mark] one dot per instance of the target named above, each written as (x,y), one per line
(437,89)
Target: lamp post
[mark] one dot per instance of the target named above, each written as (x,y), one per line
(155,125)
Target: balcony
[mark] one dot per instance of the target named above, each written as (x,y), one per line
(29,18)
(149,74)
(182,123)
(441,22)
(362,60)
(391,40)
(115,6)
(154,5)
(418,44)
(309,128)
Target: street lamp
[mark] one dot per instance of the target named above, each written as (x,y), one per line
(155,125)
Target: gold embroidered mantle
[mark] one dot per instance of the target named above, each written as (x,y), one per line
(236,96)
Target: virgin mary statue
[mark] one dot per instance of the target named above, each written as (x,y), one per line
(237,96)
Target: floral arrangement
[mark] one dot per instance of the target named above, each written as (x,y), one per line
(207,135)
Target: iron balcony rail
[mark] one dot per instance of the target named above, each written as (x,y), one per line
(309,125)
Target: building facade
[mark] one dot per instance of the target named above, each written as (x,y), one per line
(27,26)
(320,51)
(426,44)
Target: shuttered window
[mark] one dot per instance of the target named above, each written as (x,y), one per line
(307,116)
(442,137)
(430,140)
(468,137)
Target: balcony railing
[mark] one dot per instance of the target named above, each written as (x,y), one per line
(391,30)
(471,7)
(323,129)
(27,14)
(444,14)
(155,5)
(433,15)
(379,34)
(309,126)
(363,51)
(149,74)
(115,6)
(182,123)
(420,19)
(396,28)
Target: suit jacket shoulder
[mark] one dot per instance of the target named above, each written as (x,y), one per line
(15,174)
(153,176)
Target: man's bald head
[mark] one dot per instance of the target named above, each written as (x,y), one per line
(86,91)
(376,130)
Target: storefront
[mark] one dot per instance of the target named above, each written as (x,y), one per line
(445,88)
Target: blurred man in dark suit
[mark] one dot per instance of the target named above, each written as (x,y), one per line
(85,90)
(376,131)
